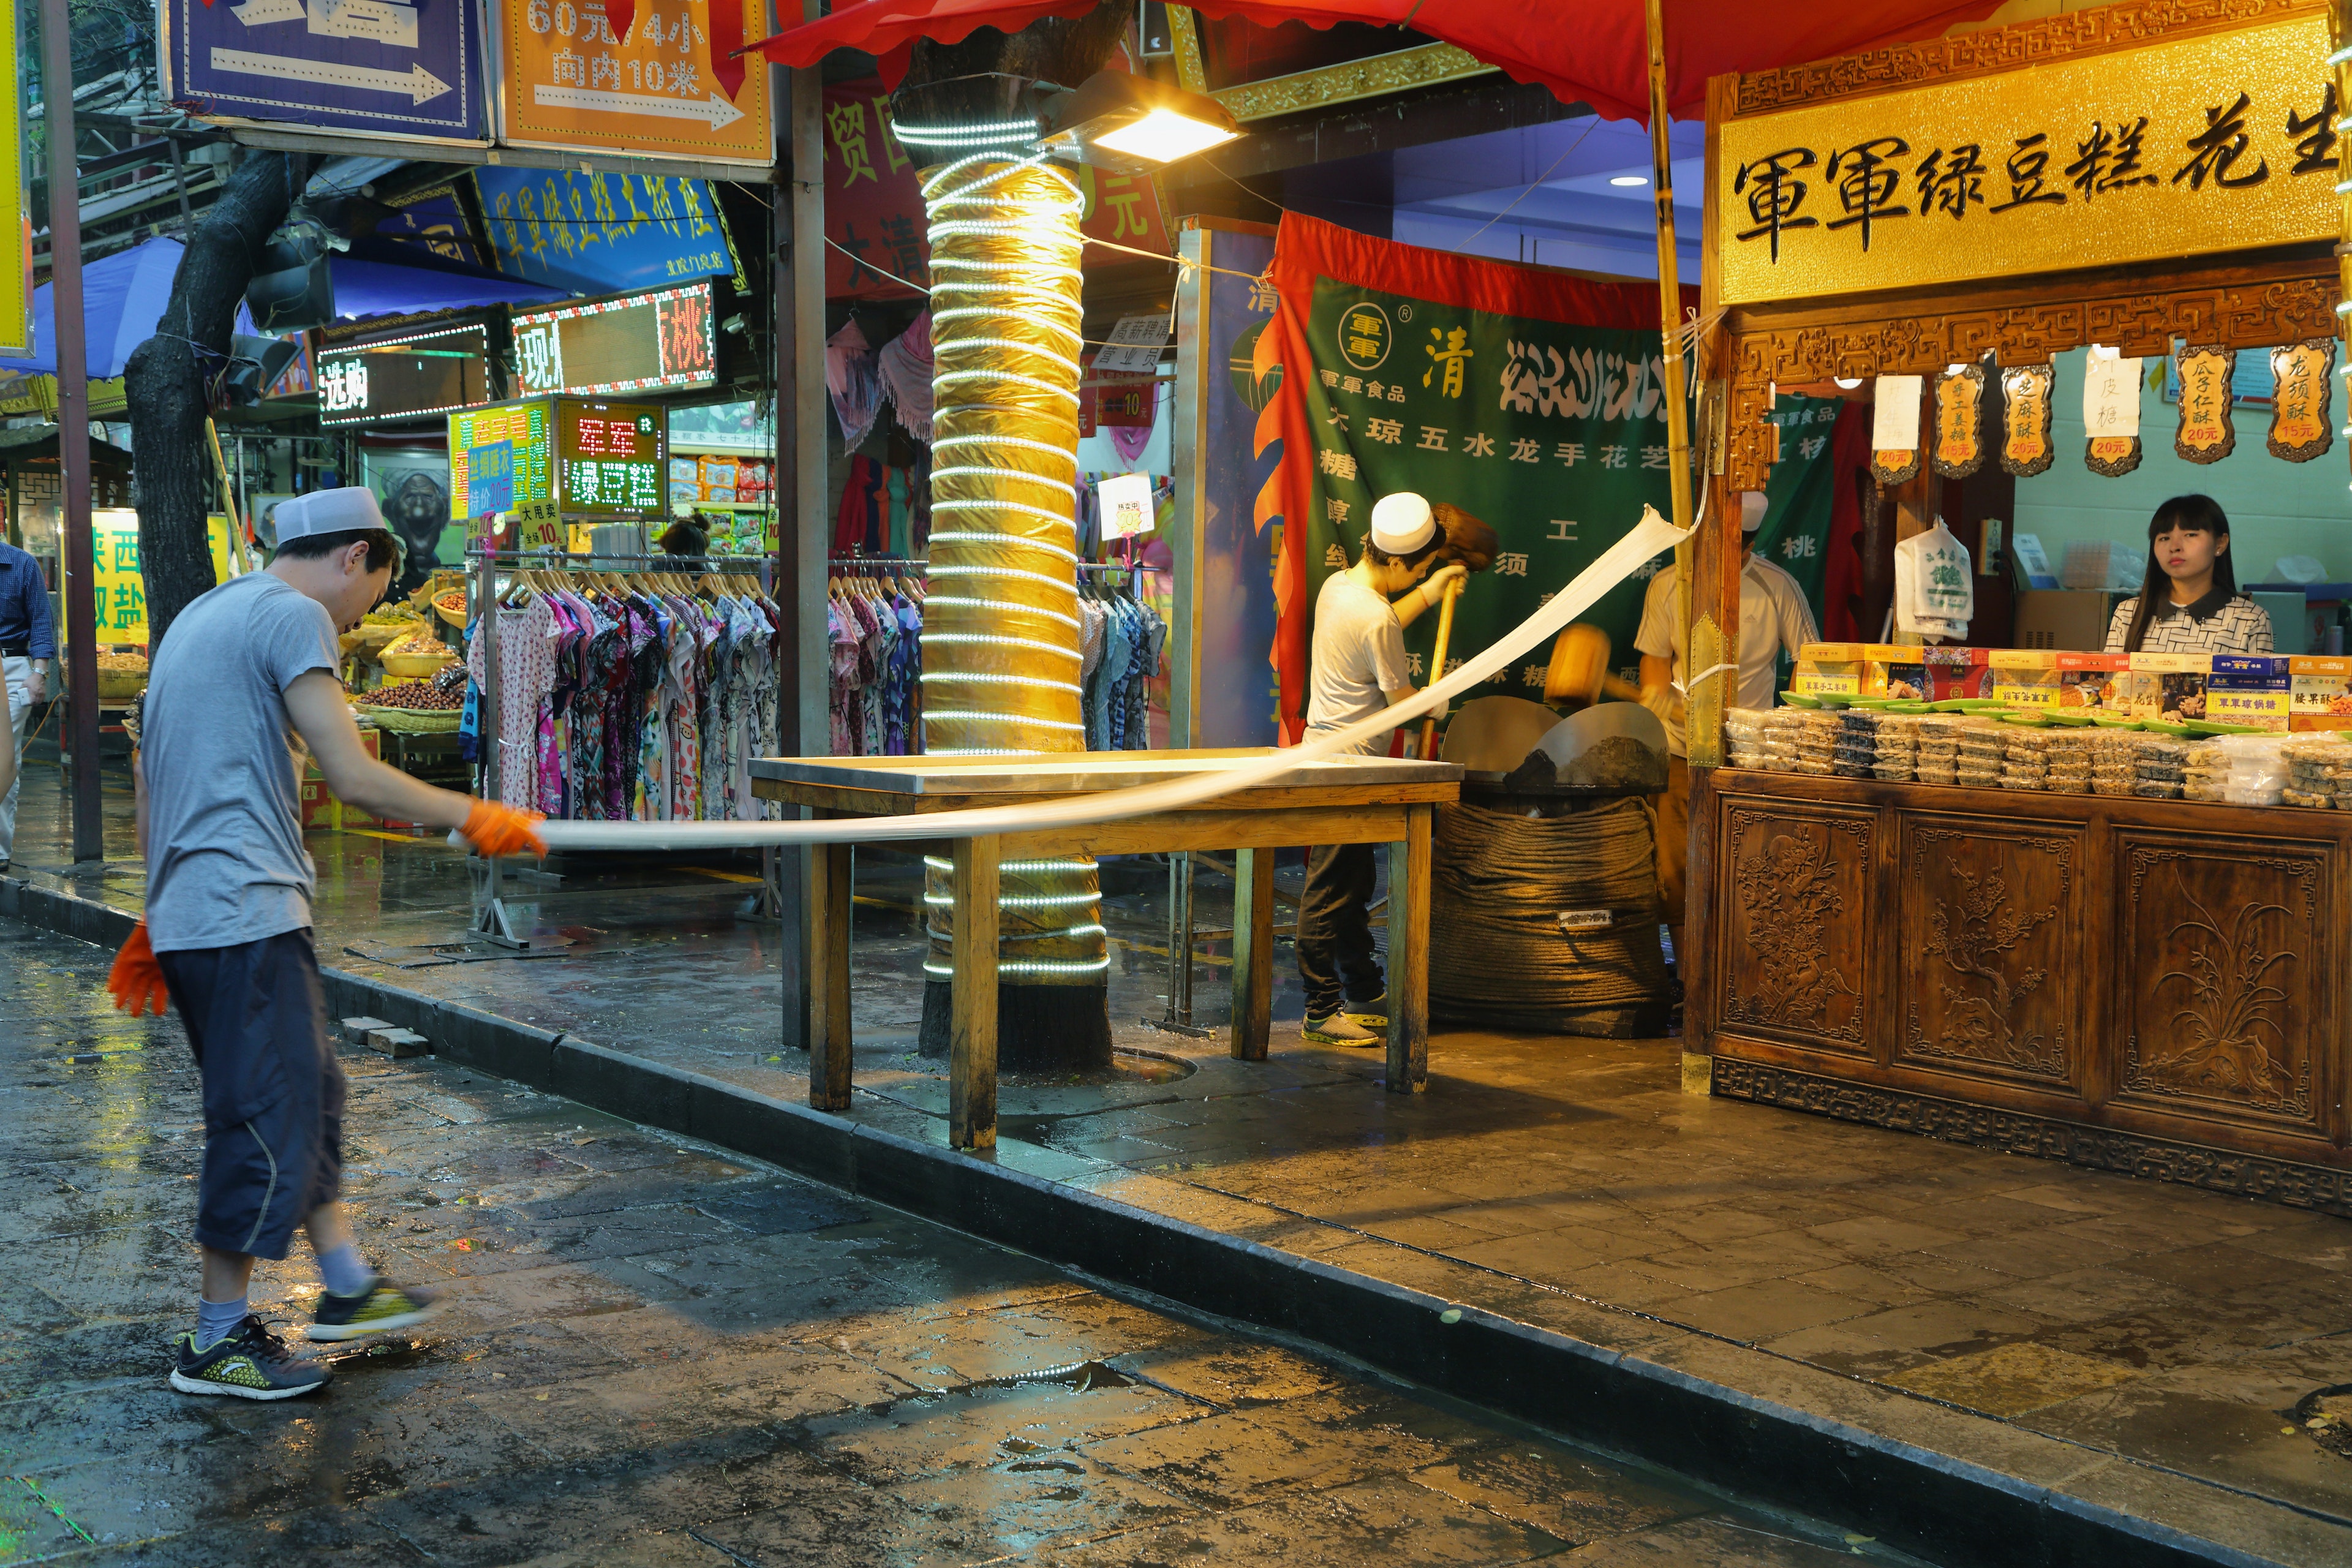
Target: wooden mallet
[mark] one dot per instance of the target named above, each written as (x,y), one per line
(1580,669)
(1473,544)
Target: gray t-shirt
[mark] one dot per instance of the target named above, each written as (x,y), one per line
(1359,654)
(225,858)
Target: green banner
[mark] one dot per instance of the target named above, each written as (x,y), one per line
(1796,532)
(1553,435)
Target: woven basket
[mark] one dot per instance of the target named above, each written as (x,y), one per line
(409,721)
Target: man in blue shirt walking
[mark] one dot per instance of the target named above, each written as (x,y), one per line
(27,643)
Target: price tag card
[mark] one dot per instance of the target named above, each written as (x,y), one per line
(1126,505)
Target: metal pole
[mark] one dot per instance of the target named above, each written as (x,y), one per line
(76,559)
(798,491)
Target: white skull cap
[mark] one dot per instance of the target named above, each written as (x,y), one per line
(327,512)
(1751,511)
(1401,523)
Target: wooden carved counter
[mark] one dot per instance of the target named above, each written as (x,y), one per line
(2151,986)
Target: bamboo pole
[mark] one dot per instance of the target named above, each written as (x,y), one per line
(1437,662)
(1704,748)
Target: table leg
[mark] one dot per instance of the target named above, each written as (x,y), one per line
(1253,952)
(972,1040)
(829,908)
(1407,974)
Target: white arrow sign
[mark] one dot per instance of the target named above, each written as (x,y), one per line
(377,20)
(253,13)
(716,112)
(419,84)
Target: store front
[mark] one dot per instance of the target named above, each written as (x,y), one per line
(2095,963)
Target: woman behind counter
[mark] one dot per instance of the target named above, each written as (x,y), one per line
(2190,603)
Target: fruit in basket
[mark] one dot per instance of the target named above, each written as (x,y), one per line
(418,696)
(392,614)
(420,654)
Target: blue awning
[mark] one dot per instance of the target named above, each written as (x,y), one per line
(123,297)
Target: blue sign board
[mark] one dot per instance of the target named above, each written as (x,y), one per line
(490,479)
(388,66)
(603,234)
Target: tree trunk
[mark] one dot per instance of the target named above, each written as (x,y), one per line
(166,384)
(1001,645)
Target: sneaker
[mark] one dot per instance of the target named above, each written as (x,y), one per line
(380,1308)
(251,1363)
(1342,1029)
(1372,1015)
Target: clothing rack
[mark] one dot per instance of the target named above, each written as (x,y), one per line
(494,924)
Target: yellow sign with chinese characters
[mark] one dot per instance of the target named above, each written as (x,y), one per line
(17,245)
(2225,141)
(117,585)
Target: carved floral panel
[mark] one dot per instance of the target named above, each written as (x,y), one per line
(1990,927)
(1797,925)
(2225,959)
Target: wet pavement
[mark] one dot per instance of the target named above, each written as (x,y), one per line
(658,1352)
(2079,1329)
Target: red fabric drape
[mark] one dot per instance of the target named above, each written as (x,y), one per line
(1586,51)
(1305,249)
(1841,578)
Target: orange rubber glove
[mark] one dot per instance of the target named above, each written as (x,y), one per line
(502,830)
(136,979)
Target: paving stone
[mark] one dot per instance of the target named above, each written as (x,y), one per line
(652,1352)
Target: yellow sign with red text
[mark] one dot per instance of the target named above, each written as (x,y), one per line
(653,77)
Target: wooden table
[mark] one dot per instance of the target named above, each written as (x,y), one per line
(1344,800)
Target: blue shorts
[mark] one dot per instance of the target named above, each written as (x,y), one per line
(256,1020)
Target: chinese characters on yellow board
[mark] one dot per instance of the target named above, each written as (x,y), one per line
(117,586)
(2211,144)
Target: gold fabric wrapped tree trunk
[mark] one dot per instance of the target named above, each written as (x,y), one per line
(1000,623)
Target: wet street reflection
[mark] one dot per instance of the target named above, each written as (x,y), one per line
(661,1353)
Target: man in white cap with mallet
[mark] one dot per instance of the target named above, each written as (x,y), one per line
(1773,616)
(226,937)
(1359,669)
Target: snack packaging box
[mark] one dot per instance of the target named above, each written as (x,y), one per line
(2251,690)
(1835,667)
(1893,669)
(2094,682)
(2319,691)
(2024,677)
(1954,672)
(2170,686)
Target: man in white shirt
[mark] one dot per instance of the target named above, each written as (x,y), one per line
(1773,616)
(1358,669)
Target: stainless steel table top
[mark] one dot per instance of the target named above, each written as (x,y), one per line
(1080,772)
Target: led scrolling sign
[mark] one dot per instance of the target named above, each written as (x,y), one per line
(413,376)
(656,340)
(2225,141)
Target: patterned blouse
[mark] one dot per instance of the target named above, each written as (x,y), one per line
(2218,623)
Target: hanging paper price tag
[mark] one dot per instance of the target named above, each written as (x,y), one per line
(1126,505)
(2111,414)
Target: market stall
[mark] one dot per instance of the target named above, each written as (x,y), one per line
(1987,926)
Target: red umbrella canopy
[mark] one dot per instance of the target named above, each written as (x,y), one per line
(1594,52)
